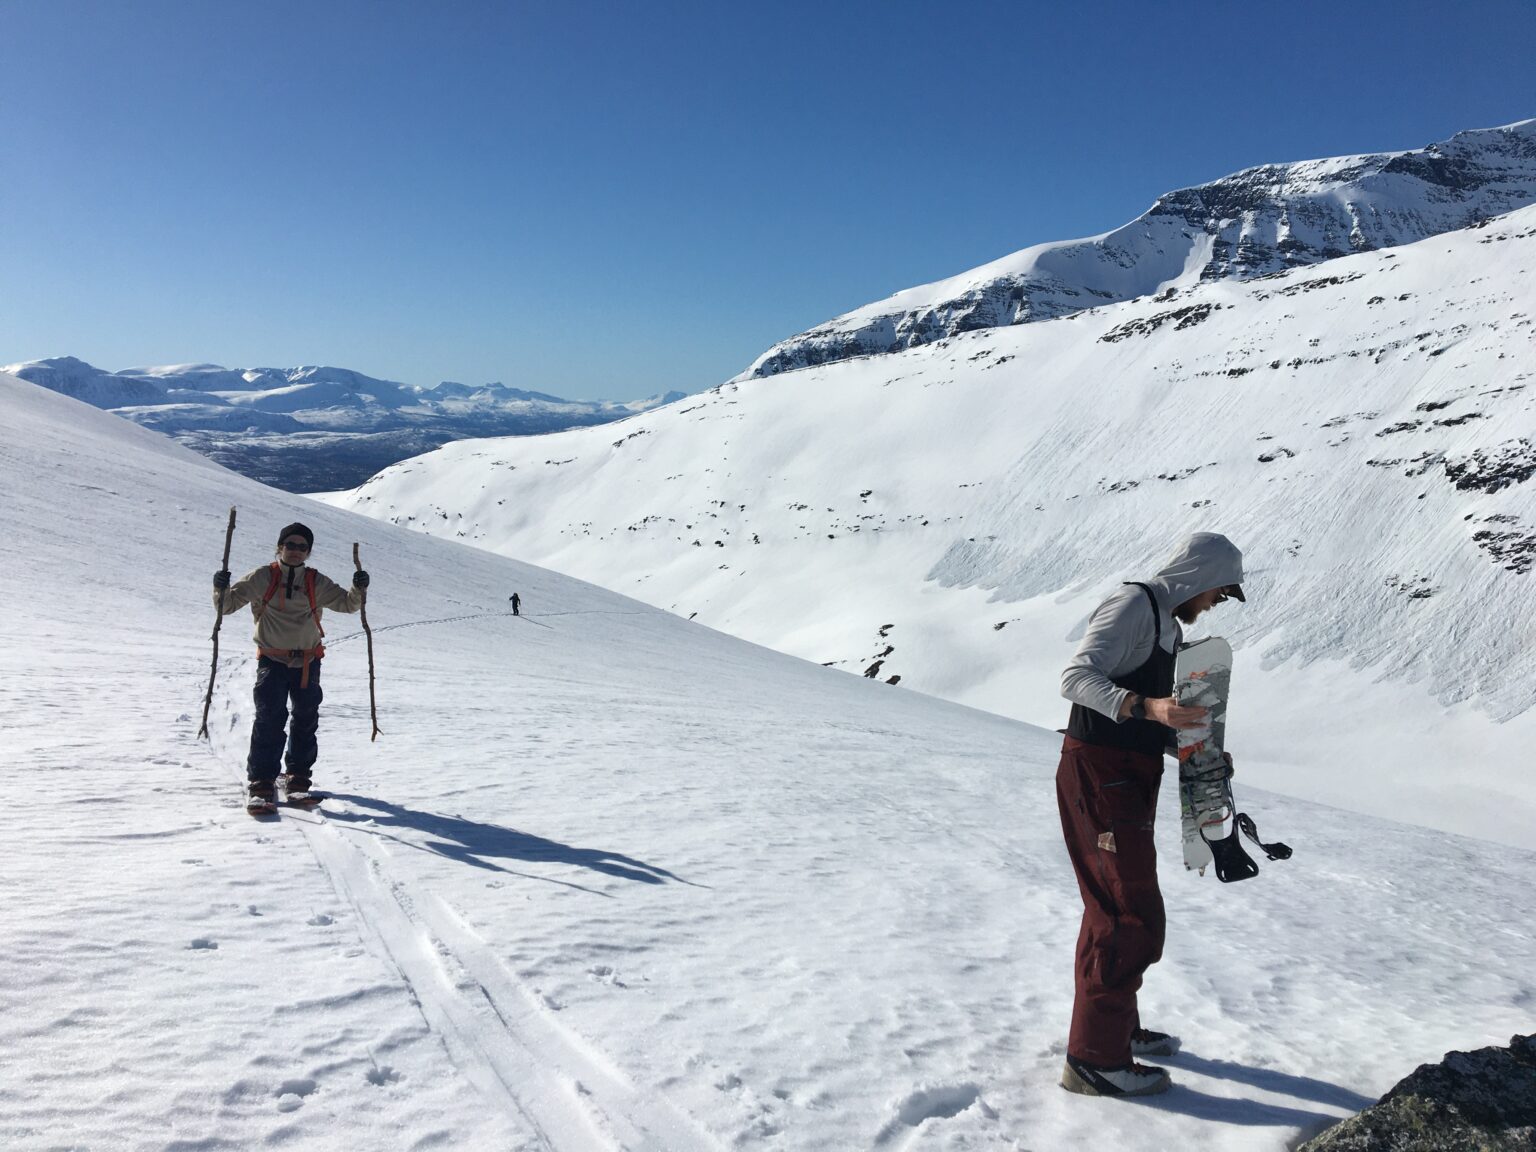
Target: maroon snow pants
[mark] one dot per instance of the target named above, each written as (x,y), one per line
(1108,801)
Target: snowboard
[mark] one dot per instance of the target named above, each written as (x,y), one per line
(1208,815)
(1202,679)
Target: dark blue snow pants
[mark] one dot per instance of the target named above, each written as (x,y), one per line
(276,684)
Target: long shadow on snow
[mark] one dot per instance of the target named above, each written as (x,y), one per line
(1254,1113)
(1281,1083)
(476,844)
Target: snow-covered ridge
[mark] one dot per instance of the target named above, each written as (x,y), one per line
(314,427)
(1253,223)
(947,516)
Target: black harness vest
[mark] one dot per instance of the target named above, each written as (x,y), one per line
(1153,679)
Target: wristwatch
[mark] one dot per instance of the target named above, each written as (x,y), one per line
(1139,709)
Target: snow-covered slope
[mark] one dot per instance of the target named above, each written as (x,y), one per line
(1252,223)
(609,879)
(314,428)
(948,515)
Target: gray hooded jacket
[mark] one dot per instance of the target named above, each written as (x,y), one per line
(1120,632)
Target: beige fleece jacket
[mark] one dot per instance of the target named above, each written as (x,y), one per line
(285,621)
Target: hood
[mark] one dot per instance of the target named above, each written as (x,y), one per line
(1204,561)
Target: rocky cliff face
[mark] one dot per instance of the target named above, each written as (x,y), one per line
(1253,223)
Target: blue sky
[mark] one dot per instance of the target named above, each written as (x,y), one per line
(612,199)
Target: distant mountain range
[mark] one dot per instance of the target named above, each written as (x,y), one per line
(315,428)
(1254,223)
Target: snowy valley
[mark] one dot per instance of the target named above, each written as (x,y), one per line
(947,516)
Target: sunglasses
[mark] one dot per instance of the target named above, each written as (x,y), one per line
(297,545)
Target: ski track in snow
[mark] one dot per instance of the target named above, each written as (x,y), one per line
(492,1025)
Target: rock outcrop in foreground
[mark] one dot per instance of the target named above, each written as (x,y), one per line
(1483,1101)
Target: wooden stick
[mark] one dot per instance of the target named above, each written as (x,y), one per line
(373,708)
(229,534)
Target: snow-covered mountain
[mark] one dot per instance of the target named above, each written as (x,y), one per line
(612,880)
(1253,223)
(314,428)
(948,515)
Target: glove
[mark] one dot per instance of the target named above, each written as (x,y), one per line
(221,579)
(359,579)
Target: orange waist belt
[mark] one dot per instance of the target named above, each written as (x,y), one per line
(290,653)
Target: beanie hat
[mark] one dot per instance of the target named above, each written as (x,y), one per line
(296,529)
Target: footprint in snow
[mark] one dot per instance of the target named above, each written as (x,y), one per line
(203,943)
(939,1102)
(291,1094)
(606,975)
(320,920)
(382,1074)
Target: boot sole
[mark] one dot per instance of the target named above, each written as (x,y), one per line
(1072,1082)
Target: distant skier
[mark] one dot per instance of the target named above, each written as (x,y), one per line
(517,604)
(286,599)
(1120,683)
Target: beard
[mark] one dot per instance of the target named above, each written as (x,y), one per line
(1185,613)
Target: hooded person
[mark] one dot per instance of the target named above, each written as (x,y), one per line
(1124,714)
(287,598)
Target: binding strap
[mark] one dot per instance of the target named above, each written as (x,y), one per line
(1275,851)
(1228,856)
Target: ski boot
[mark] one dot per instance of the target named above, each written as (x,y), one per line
(1131,1080)
(261,798)
(296,791)
(1145,1042)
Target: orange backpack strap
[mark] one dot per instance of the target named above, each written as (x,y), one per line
(309,587)
(274,572)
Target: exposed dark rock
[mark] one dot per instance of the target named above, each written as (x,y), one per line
(1491,469)
(1514,546)
(1185,317)
(1482,1101)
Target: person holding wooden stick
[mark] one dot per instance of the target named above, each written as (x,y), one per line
(287,598)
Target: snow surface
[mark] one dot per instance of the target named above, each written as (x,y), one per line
(951,514)
(613,880)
